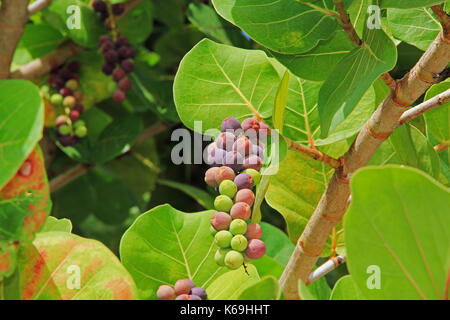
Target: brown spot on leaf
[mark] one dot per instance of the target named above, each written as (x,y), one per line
(121,289)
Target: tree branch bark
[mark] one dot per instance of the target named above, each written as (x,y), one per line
(334,202)
(13,17)
(443,18)
(44,65)
(420,109)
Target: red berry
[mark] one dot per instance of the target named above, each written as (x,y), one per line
(210,177)
(255,249)
(104,39)
(65,92)
(119,96)
(118,74)
(183,286)
(254,231)
(111,56)
(125,84)
(122,41)
(61,120)
(127,66)
(240,210)
(74,115)
(79,107)
(78,95)
(250,123)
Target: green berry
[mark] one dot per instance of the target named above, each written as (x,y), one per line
(234,259)
(238,226)
(64,129)
(228,188)
(223,238)
(219,257)
(80,131)
(254,174)
(79,123)
(239,243)
(56,99)
(223,203)
(45,90)
(72,84)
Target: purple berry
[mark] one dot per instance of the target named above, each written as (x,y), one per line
(127,66)
(99,6)
(217,157)
(74,66)
(243,146)
(183,286)
(118,8)
(119,96)
(200,292)
(122,41)
(252,162)
(234,160)
(125,84)
(244,181)
(225,141)
(111,56)
(230,123)
(118,74)
(250,123)
(107,68)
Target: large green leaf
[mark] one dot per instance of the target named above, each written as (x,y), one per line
(296,190)
(317,64)
(202,197)
(398,223)
(268,266)
(284,26)
(215,81)
(48,270)
(414,150)
(90,26)
(351,78)
(230,285)
(265,289)
(210,23)
(346,289)
(24,205)
(37,40)
(278,245)
(55,224)
(407,4)
(318,290)
(137,25)
(416,26)
(164,245)
(438,119)
(21,124)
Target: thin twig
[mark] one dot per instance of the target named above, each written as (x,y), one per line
(37,6)
(346,24)
(429,104)
(44,65)
(313,153)
(443,18)
(442,146)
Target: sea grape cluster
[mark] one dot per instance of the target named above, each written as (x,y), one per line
(118,53)
(184,289)
(101,7)
(236,159)
(66,96)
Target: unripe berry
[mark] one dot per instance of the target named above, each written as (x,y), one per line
(56,99)
(200,292)
(225,173)
(61,120)
(220,221)
(245,195)
(223,203)
(69,101)
(165,292)
(79,123)
(81,131)
(234,259)
(183,286)
(64,129)
(230,123)
(255,249)
(244,181)
(252,162)
(219,257)
(242,145)
(227,188)
(119,96)
(211,177)
(239,243)
(256,176)
(254,231)
(225,141)
(223,238)
(72,84)
(241,210)
(238,226)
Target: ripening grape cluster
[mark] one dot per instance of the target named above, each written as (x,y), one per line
(101,7)
(118,53)
(236,157)
(184,289)
(66,95)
